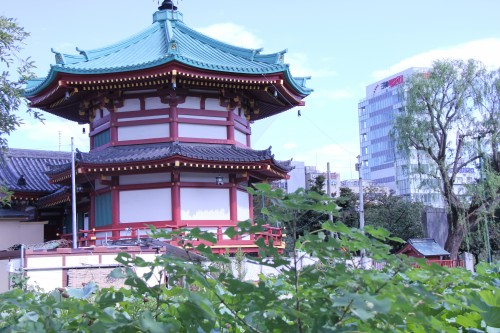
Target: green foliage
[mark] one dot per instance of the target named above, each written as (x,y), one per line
(334,292)
(402,218)
(347,212)
(12,37)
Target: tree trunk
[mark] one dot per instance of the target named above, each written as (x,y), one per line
(455,237)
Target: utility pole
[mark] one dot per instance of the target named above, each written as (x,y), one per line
(329,191)
(73,196)
(359,168)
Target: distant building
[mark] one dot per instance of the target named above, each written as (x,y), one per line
(381,163)
(353,185)
(303,176)
(312,173)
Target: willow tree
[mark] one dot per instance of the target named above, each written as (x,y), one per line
(448,124)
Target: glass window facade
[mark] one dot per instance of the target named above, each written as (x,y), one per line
(382,164)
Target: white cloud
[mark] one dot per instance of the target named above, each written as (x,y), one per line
(290,145)
(300,66)
(236,35)
(334,95)
(232,34)
(485,50)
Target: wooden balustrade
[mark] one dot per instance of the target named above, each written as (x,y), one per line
(94,237)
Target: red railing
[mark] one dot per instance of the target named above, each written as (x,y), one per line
(446,263)
(99,237)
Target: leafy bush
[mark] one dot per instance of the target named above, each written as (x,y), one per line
(335,294)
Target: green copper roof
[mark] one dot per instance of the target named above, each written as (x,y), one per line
(168,39)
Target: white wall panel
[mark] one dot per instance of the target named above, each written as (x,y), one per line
(191,103)
(243,203)
(147,178)
(186,116)
(145,205)
(214,105)
(143,118)
(142,132)
(130,105)
(205,204)
(155,103)
(203,131)
(240,137)
(202,177)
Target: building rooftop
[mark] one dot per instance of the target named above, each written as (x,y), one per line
(159,151)
(427,247)
(23,170)
(167,40)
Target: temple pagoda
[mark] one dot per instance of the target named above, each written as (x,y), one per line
(170,113)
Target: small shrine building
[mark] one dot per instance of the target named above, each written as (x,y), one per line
(170,113)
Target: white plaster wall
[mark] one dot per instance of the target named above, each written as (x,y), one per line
(202,177)
(130,105)
(49,279)
(187,116)
(240,137)
(87,259)
(142,132)
(154,103)
(214,105)
(205,204)
(243,203)
(161,116)
(191,103)
(201,131)
(145,205)
(15,232)
(147,178)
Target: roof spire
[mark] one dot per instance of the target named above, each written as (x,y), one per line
(167,5)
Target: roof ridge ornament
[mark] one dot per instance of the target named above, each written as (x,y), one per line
(167,5)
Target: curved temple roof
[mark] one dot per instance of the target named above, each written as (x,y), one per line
(23,170)
(159,151)
(168,39)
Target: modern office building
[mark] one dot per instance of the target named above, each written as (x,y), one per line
(381,163)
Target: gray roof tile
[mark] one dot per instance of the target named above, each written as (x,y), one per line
(31,165)
(160,151)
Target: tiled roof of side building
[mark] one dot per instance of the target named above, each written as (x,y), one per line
(160,151)
(169,39)
(23,170)
(428,247)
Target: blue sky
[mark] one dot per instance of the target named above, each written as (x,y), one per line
(343,45)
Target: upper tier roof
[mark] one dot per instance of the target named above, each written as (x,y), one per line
(168,40)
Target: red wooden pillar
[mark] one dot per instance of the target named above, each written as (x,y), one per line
(174,117)
(230,127)
(176,198)
(233,200)
(115,204)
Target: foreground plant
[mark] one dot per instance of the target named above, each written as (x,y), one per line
(323,287)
